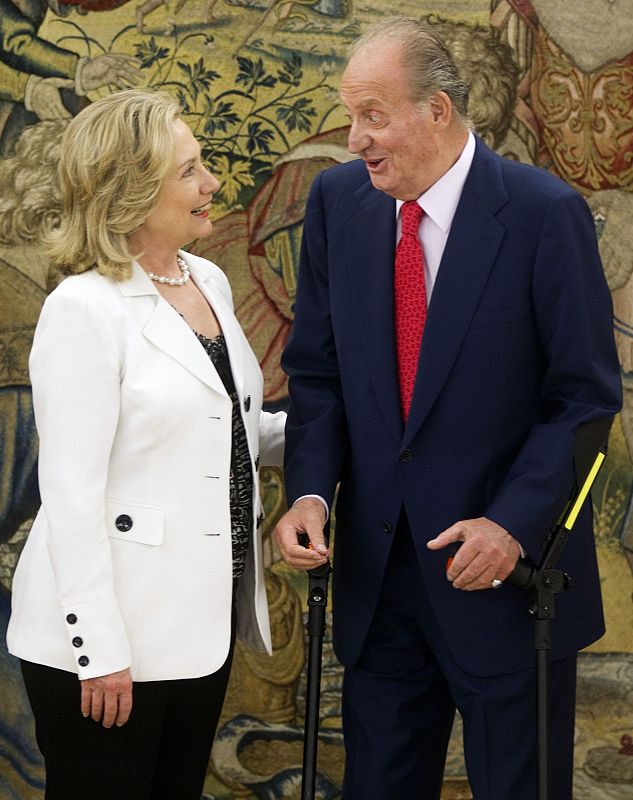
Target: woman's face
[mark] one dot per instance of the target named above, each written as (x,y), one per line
(182,212)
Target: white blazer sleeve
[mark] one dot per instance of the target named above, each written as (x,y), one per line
(75,374)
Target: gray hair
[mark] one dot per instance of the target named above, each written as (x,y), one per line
(427,58)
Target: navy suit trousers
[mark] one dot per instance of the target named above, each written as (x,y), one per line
(399,703)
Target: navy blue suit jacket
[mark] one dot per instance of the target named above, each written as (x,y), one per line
(517,353)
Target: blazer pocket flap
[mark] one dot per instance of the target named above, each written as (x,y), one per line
(134,523)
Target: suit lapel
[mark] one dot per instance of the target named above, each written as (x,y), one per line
(470,253)
(371,255)
(168,331)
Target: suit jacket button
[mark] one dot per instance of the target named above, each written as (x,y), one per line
(387,527)
(77,641)
(406,456)
(247,403)
(123,522)
(71,619)
(83,661)
(257,464)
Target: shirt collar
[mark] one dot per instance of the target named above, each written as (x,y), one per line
(439,202)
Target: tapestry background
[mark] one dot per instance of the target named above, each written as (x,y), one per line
(552,85)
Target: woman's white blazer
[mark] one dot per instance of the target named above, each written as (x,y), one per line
(129,562)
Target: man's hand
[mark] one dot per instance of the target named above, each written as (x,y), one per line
(108,698)
(488,552)
(306,516)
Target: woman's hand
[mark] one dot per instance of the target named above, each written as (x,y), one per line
(108,698)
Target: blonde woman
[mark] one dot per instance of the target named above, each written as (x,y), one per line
(144,559)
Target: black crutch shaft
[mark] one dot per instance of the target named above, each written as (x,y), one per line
(315,627)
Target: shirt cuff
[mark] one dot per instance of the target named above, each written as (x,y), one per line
(317,497)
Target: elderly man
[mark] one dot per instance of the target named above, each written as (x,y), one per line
(452,333)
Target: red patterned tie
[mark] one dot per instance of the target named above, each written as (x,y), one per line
(410,301)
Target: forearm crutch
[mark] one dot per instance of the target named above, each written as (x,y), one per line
(545,582)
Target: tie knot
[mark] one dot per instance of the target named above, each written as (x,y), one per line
(411,214)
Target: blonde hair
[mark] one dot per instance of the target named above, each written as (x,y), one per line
(115,156)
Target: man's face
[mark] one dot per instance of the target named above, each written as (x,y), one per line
(396,139)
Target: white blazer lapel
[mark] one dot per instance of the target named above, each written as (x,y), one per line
(231,329)
(168,331)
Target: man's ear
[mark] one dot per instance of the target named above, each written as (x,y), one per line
(440,108)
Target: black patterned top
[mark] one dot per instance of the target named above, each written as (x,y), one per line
(241,478)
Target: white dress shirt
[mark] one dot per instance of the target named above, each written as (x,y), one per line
(439,204)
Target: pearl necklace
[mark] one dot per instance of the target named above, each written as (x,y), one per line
(173,281)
